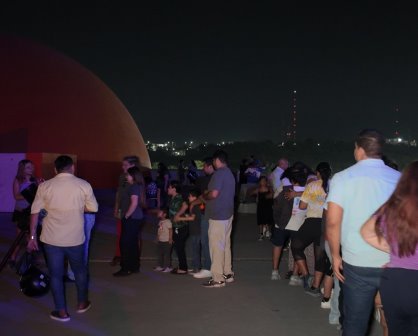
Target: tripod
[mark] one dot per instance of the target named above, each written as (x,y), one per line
(15,243)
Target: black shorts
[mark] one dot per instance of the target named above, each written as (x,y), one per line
(279,237)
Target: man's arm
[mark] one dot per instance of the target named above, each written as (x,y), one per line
(368,232)
(211,194)
(333,232)
(91,202)
(33,241)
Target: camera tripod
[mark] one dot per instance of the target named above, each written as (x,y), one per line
(10,251)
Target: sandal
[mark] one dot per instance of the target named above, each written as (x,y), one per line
(178,271)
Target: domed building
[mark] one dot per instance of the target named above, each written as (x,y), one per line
(52,105)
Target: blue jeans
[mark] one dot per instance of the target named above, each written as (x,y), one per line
(55,256)
(204,241)
(89,220)
(360,287)
(195,241)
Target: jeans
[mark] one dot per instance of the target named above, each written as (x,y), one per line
(55,256)
(204,241)
(334,314)
(129,244)
(89,220)
(195,241)
(360,287)
(164,254)
(179,238)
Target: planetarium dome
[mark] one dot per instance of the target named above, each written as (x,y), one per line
(51,104)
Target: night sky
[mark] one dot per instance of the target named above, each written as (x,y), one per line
(211,71)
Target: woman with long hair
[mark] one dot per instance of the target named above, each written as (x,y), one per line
(132,202)
(22,183)
(313,199)
(394,229)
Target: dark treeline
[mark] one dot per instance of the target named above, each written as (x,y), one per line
(310,151)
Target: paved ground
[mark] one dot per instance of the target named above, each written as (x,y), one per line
(153,303)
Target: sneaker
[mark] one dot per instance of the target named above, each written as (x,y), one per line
(326,303)
(288,275)
(193,271)
(84,307)
(214,284)
(158,269)
(203,273)
(229,277)
(295,280)
(275,275)
(167,270)
(307,282)
(55,315)
(260,237)
(267,234)
(312,291)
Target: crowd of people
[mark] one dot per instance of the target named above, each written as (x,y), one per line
(361,222)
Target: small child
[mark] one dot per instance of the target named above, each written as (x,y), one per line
(194,218)
(165,241)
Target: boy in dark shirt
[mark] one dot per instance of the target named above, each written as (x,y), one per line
(194,218)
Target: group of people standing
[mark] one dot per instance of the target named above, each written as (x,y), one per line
(363,225)
(202,212)
(362,222)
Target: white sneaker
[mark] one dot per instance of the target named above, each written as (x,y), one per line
(267,234)
(202,274)
(158,269)
(167,270)
(275,275)
(295,280)
(326,304)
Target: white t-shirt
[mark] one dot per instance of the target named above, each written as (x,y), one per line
(298,215)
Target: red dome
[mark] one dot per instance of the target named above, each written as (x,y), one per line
(52,104)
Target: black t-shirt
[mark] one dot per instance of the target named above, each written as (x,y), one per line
(202,183)
(282,209)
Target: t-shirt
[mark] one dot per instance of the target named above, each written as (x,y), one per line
(222,207)
(410,262)
(360,190)
(253,174)
(194,225)
(125,201)
(315,196)
(202,183)
(282,209)
(174,206)
(163,230)
(298,215)
(276,181)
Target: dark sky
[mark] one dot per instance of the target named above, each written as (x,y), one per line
(211,71)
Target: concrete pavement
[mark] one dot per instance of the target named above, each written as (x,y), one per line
(151,303)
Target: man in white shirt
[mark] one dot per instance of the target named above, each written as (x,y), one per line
(276,174)
(65,198)
(355,194)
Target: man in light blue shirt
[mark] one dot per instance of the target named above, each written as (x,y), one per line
(355,194)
